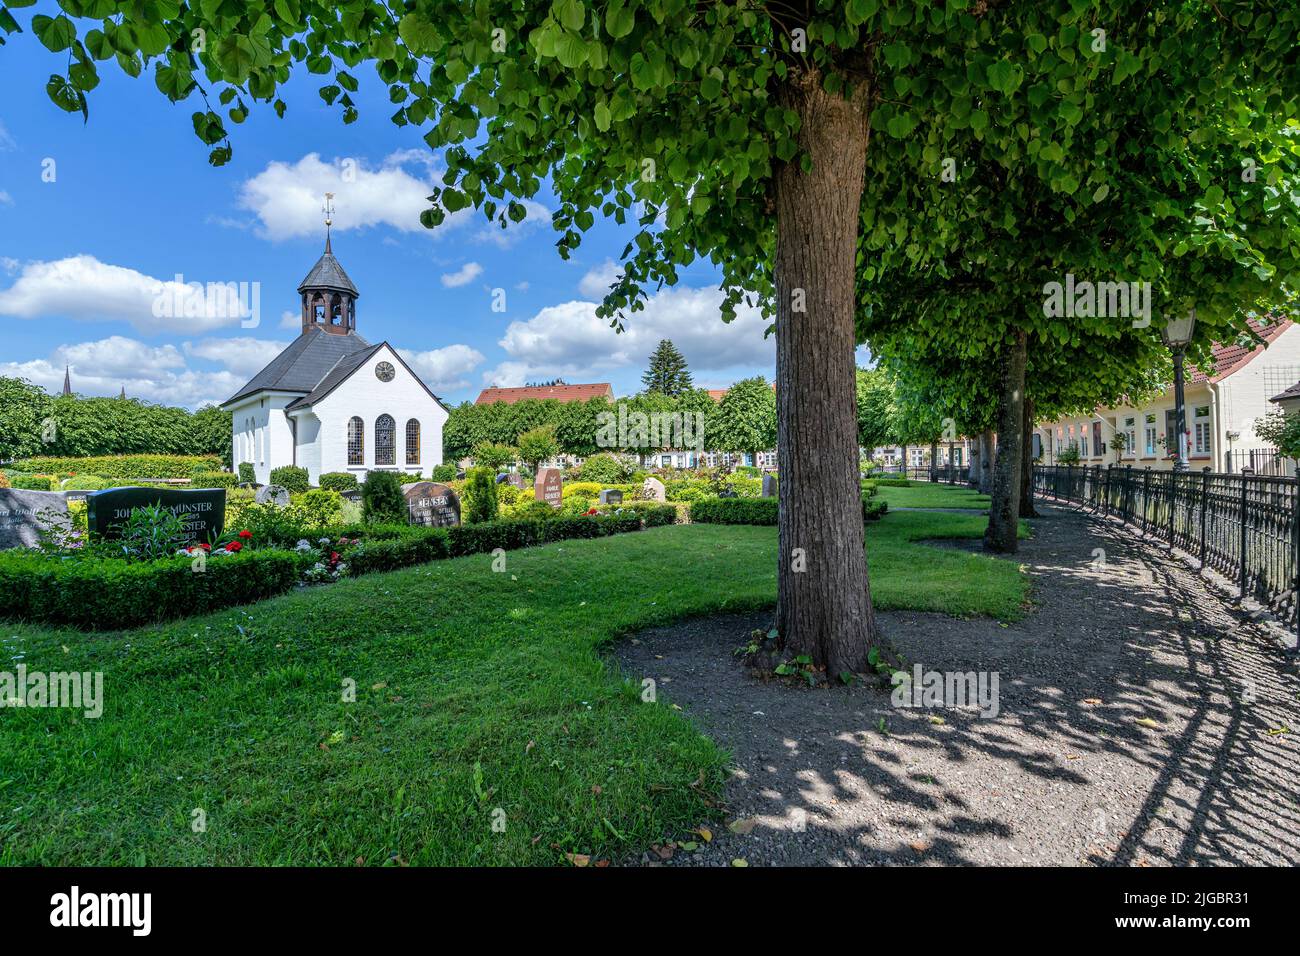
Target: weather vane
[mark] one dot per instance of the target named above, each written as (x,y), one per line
(328,209)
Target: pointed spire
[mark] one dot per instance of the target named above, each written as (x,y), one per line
(67,381)
(328,209)
(122,396)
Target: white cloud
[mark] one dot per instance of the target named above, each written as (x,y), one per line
(6,199)
(83,288)
(462,276)
(242,355)
(286,198)
(290,320)
(105,367)
(569,341)
(6,141)
(445,369)
(595,284)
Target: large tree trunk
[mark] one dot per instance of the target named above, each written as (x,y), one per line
(934,461)
(1027,509)
(1004,512)
(823,599)
(986,446)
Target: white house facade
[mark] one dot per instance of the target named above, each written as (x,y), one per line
(332,401)
(1222,404)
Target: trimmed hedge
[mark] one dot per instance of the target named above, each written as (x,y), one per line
(111,594)
(291,478)
(339,481)
(124,466)
(247,475)
(652,514)
(30,482)
(214,479)
(760,511)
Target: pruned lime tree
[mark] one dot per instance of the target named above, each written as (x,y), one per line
(753,135)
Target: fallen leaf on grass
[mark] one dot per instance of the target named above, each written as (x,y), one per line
(936,719)
(578,859)
(1092,700)
(705,834)
(1278,731)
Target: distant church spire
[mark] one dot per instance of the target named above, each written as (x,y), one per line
(67,382)
(122,396)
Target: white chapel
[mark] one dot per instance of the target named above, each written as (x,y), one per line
(331,401)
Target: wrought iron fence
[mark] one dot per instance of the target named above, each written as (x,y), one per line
(1247,527)
(1261,461)
(950,473)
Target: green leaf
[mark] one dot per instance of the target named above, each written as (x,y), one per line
(619,21)
(602,116)
(57,33)
(1101,192)
(419,35)
(66,96)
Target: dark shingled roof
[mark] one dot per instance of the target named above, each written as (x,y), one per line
(341,370)
(1292,392)
(307,360)
(328,274)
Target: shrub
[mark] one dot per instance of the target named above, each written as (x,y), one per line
(270,525)
(382,498)
(4,480)
(651,514)
(760,511)
(480,504)
(508,494)
(215,479)
(93,593)
(132,467)
(607,469)
(532,510)
(399,551)
(291,478)
(246,474)
(83,483)
(490,454)
(318,508)
(31,482)
(443,473)
(339,481)
(575,505)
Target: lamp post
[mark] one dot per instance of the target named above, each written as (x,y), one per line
(1177,334)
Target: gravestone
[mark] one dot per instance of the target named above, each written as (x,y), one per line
(502,478)
(277,495)
(653,489)
(432,504)
(769,486)
(25,514)
(548,486)
(77,495)
(202,511)
(353,495)
(728,493)
(516,479)
(610,496)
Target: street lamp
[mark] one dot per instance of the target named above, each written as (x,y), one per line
(1177,334)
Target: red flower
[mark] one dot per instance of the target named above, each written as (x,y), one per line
(589,513)
(206,547)
(245,535)
(334,557)
(234,546)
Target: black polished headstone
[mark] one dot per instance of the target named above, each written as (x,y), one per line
(202,510)
(432,504)
(611,496)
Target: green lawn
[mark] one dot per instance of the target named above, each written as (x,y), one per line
(475,691)
(923,494)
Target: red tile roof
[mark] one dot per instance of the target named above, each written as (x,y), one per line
(563,393)
(717,393)
(1233,357)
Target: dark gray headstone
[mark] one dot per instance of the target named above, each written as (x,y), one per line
(203,511)
(432,504)
(354,495)
(611,496)
(769,486)
(548,486)
(25,514)
(728,493)
(277,495)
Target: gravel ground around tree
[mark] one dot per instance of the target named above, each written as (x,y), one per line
(1141,721)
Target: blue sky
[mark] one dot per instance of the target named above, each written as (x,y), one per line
(133,203)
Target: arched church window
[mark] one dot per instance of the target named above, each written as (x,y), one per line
(356,441)
(385,440)
(413,441)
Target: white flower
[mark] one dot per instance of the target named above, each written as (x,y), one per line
(303,545)
(323,541)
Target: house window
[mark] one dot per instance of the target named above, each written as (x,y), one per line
(1130,436)
(356,441)
(1149,434)
(385,440)
(1201,430)
(413,441)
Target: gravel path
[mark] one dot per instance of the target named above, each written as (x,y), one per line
(1139,725)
